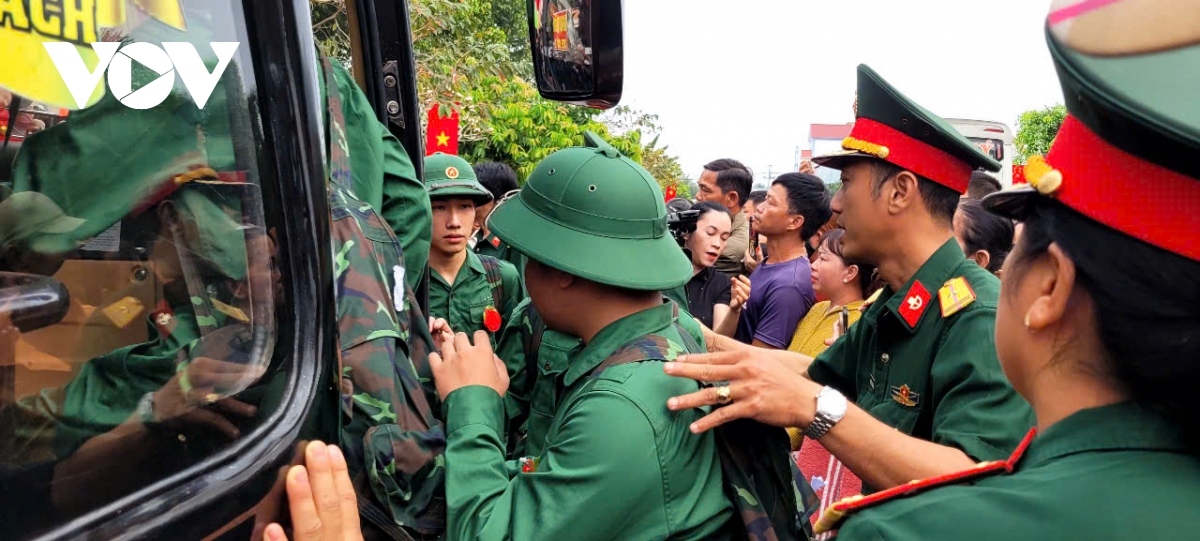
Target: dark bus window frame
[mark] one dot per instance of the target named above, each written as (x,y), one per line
(198,502)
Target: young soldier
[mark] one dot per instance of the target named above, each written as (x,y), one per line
(921,364)
(615,463)
(471,292)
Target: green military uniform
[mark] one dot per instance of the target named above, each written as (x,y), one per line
(938,380)
(384,176)
(492,246)
(614,463)
(476,290)
(922,359)
(1131,135)
(392,439)
(535,379)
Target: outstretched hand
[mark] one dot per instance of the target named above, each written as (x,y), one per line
(761,388)
(462,364)
(321,498)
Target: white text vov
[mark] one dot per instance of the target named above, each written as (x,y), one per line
(178,57)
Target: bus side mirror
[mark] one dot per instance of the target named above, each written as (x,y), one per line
(577,50)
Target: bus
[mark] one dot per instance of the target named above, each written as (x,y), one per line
(993,138)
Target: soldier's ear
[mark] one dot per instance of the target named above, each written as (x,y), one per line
(905,189)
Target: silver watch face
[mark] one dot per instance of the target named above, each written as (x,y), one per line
(832,404)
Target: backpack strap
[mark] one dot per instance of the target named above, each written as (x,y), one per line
(495,280)
(533,338)
(650,346)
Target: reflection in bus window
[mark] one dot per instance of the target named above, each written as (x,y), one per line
(138,280)
(563,41)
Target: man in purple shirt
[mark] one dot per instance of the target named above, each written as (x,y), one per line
(781,288)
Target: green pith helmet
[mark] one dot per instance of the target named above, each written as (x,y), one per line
(447,175)
(596,214)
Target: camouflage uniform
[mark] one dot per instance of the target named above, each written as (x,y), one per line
(392,439)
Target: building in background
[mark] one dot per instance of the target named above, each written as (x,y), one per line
(826,139)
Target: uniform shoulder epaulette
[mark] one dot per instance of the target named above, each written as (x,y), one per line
(836,513)
(955,295)
(871,300)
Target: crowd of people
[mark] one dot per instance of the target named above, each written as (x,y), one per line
(921,354)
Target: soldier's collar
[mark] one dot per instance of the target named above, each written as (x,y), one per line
(912,301)
(474,263)
(1122,426)
(650,321)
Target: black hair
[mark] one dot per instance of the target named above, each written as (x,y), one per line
(732,176)
(757,197)
(706,207)
(866,272)
(1146,307)
(940,201)
(497,178)
(985,231)
(808,197)
(982,185)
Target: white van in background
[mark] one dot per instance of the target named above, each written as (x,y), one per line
(994,139)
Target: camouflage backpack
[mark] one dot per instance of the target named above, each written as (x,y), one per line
(764,486)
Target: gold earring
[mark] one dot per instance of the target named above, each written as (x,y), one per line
(1026,321)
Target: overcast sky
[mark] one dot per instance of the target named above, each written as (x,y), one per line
(744,79)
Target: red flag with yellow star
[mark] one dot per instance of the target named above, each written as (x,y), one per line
(441,135)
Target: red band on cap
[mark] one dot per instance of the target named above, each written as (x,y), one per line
(1137,197)
(921,158)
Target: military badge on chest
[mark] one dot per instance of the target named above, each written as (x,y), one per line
(491,319)
(905,396)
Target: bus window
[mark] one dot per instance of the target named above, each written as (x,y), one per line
(147,227)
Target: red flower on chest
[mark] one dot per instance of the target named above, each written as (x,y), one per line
(491,319)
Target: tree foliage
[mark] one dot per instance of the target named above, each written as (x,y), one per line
(473,57)
(524,128)
(1036,131)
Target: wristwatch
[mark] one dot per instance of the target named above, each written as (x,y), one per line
(831,407)
(145,409)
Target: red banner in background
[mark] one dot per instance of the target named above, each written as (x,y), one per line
(441,135)
(669,194)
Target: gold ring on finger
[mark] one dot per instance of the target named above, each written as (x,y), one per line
(211,398)
(724,394)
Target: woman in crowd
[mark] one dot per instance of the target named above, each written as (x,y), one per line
(845,284)
(1097,324)
(984,237)
(713,298)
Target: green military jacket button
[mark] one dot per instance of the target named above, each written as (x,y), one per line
(885,358)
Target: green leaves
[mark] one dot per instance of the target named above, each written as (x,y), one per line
(1036,131)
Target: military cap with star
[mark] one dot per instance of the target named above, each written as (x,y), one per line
(895,129)
(447,175)
(1126,154)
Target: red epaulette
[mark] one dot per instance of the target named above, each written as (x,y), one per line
(836,513)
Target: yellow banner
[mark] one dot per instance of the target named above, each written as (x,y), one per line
(25,25)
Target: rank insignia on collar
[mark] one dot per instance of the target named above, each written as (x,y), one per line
(837,512)
(529,464)
(914,303)
(955,295)
(495,241)
(905,397)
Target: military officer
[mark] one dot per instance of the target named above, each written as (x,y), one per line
(471,292)
(1098,325)
(914,389)
(614,464)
